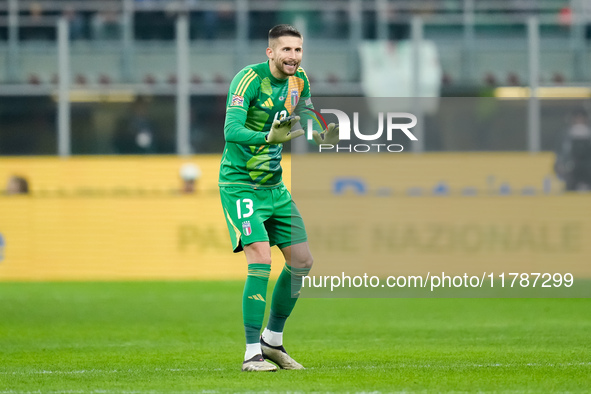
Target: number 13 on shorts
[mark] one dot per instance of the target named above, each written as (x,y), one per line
(248,206)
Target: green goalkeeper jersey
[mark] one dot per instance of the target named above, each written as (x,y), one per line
(255,99)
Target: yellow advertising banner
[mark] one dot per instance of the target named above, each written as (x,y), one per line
(474,213)
(116,218)
(122,175)
(111,218)
(400,236)
(171,237)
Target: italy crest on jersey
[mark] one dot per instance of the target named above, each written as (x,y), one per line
(246,229)
(294,97)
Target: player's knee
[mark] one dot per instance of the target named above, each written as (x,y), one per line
(259,260)
(306,262)
(258,253)
(309,263)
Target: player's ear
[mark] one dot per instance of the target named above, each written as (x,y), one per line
(269,52)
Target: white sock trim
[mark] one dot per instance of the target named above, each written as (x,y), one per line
(273,338)
(252,349)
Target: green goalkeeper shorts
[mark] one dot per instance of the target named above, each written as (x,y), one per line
(262,215)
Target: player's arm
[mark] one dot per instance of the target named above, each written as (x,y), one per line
(243,89)
(305,109)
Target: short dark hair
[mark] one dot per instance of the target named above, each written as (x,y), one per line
(283,30)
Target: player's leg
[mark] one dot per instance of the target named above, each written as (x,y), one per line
(298,261)
(286,229)
(258,258)
(245,212)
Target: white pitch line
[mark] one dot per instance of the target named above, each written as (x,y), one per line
(427,366)
(107,392)
(99,371)
(495,365)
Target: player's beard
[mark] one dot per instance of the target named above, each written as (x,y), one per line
(286,70)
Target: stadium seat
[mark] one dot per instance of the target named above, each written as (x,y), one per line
(34,79)
(558,78)
(332,78)
(149,79)
(513,79)
(104,79)
(490,79)
(196,79)
(80,79)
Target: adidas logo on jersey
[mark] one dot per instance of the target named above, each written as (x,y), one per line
(268,103)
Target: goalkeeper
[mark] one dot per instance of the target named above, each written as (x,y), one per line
(259,211)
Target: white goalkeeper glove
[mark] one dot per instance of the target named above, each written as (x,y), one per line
(281,131)
(329,136)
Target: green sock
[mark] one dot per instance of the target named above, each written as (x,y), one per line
(285,295)
(254,300)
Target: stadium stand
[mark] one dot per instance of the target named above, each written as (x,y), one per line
(480,45)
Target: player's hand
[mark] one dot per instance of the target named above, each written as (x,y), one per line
(329,136)
(281,131)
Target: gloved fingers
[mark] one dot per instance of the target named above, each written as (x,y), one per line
(296,134)
(316,137)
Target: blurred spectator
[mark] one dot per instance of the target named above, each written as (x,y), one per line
(37,28)
(36,12)
(106,25)
(75,23)
(573,161)
(17,185)
(565,17)
(582,9)
(211,22)
(219,23)
(190,174)
(330,21)
(136,134)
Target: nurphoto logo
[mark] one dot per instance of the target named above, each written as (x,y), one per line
(394,122)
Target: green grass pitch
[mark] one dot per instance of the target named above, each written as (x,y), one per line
(182,337)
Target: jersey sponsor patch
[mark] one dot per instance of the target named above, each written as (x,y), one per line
(308,102)
(246,229)
(237,100)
